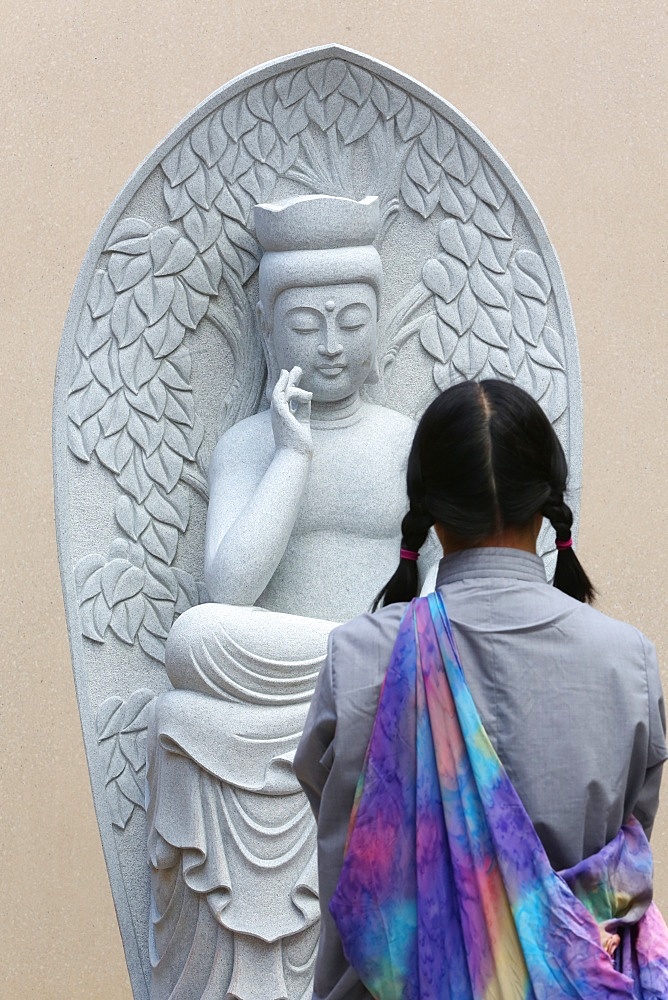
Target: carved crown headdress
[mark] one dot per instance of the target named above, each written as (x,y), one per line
(317,240)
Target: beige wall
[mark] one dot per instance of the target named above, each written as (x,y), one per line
(572,94)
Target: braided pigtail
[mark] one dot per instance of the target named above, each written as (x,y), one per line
(569,575)
(403,585)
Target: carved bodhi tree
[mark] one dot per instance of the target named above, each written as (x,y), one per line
(161,354)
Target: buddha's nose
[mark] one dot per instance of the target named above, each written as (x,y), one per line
(330,345)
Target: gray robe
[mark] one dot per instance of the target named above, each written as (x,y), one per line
(570,698)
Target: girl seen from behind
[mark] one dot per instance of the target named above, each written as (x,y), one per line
(518,733)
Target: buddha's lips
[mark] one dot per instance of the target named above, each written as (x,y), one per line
(331,370)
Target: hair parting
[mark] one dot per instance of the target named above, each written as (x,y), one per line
(485,457)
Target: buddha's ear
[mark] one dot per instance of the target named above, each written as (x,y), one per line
(373,378)
(268,349)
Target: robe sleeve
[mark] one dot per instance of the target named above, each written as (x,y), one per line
(315,752)
(648,800)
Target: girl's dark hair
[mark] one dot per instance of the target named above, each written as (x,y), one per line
(485,457)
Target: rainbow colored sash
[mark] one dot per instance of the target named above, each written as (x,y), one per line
(446,892)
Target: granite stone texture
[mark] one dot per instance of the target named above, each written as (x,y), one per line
(270,303)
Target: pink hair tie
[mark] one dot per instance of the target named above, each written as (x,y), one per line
(568,544)
(409,554)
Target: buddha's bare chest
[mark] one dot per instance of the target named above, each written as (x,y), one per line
(355,486)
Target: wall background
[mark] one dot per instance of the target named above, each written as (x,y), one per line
(574,98)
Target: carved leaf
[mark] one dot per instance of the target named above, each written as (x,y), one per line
(87,402)
(355,122)
(460,312)
(126,271)
(420,200)
(529,317)
(132,518)
(183,443)
(412,119)
(115,451)
(261,100)
(500,362)
(104,366)
(388,99)
(152,646)
(127,320)
(121,548)
(160,540)
(326,77)
(290,121)
(161,583)
(145,431)
(236,119)
(131,786)
(109,718)
(127,229)
(490,222)
(462,160)
(87,576)
(92,334)
(165,335)
(151,399)
(137,364)
(120,580)
(181,163)
(356,85)
(178,200)
(493,290)
(543,356)
(83,375)
(114,414)
(438,138)
(180,407)
(470,356)
(444,276)
(196,277)
(126,618)
(154,296)
(495,253)
(180,253)
(120,807)
(492,326)
(116,762)
(188,594)
(260,141)
(438,339)
(174,510)
(188,305)
(530,276)
(133,477)
(204,186)
(164,467)
(461,240)
(101,295)
(203,227)
(81,441)
(324,112)
(208,139)
(487,185)
(159,617)
(456,199)
(212,262)
(95,616)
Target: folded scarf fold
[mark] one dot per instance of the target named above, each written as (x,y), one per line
(446,892)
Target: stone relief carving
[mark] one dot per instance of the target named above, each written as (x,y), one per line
(162,355)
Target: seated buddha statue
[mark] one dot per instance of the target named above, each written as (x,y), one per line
(303,529)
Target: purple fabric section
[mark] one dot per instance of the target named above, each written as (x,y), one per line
(446,892)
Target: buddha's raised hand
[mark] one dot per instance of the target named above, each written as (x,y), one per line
(291,413)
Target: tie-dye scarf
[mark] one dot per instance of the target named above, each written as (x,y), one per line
(446,892)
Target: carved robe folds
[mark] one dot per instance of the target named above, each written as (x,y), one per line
(231,836)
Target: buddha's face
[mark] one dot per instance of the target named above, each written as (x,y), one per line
(330,332)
